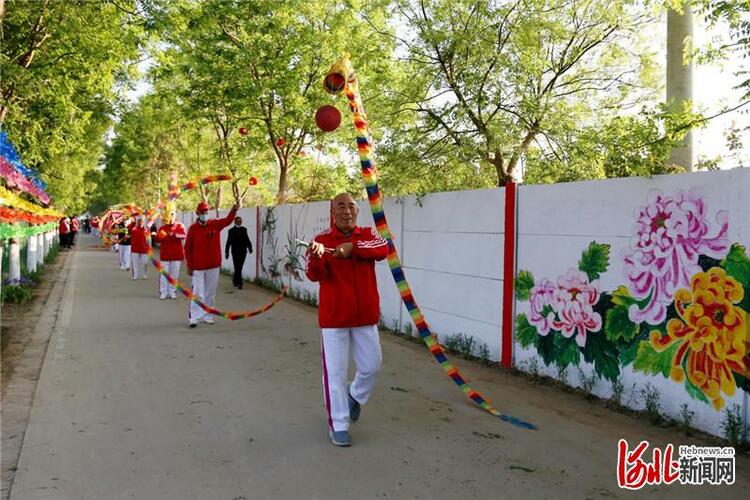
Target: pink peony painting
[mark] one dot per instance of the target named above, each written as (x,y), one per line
(670,233)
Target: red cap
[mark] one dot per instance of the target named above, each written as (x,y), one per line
(202,207)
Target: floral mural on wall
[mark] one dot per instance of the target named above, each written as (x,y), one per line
(683,313)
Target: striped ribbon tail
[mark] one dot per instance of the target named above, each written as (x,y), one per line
(369,173)
(188,293)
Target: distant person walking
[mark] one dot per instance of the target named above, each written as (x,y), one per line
(238,242)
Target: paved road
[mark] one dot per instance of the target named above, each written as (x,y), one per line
(131,404)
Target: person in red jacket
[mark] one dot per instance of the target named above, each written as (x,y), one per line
(63,230)
(74,227)
(170,237)
(342,259)
(203,258)
(139,243)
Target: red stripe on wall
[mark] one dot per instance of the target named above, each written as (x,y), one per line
(509,275)
(257,242)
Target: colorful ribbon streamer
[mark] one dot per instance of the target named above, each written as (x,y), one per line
(231,316)
(174,193)
(343,69)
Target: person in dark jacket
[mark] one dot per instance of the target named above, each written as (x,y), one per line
(239,243)
(342,260)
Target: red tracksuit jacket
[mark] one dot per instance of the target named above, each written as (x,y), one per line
(170,238)
(348,288)
(139,239)
(203,244)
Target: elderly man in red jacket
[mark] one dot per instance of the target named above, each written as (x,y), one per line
(342,259)
(170,237)
(203,258)
(139,243)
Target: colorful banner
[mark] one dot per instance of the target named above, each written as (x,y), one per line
(8,231)
(10,199)
(17,175)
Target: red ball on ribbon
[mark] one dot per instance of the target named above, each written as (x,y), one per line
(328,118)
(252,181)
(280,142)
(334,83)
(243,131)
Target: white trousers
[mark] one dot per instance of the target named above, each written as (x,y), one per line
(204,286)
(172,267)
(365,348)
(138,264)
(124,256)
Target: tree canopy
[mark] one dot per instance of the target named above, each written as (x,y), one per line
(459,93)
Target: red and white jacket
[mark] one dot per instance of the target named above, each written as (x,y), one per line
(348,287)
(170,238)
(139,237)
(203,243)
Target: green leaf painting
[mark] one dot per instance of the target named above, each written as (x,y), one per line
(649,360)
(525,332)
(524,284)
(594,260)
(618,326)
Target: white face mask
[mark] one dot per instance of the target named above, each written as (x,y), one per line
(202,217)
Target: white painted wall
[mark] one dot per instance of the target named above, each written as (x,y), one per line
(451,248)
(557,223)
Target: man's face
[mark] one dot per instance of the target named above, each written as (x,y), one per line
(345,212)
(238,221)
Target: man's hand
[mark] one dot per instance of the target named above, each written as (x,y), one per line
(317,249)
(189,271)
(344,250)
(235,207)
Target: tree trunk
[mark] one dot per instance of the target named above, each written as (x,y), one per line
(283,171)
(680,77)
(498,161)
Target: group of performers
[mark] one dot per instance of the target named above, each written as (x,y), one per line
(340,259)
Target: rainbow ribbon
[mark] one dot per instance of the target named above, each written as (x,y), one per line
(232,316)
(369,173)
(174,193)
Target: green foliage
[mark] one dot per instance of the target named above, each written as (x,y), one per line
(618,327)
(603,354)
(526,333)
(594,260)
(64,67)
(648,360)
(736,41)
(566,349)
(733,426)
(492,81)
(524,284)
(16,294)
(737,264)
(651,398)
(695,392)
(260,66)
(461,344)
